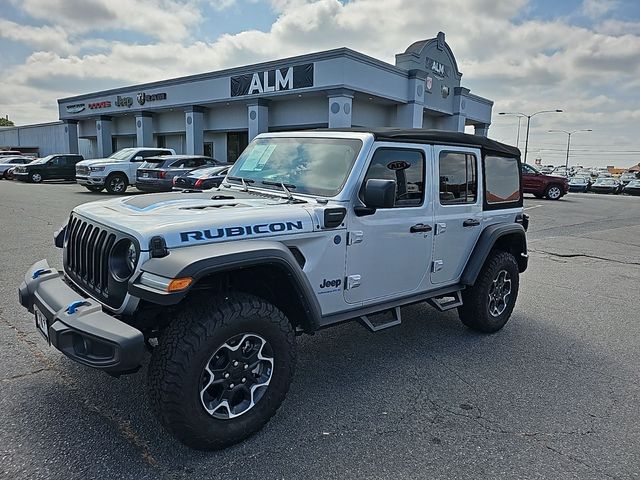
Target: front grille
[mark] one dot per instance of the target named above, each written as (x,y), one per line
(82,170)
(86,260)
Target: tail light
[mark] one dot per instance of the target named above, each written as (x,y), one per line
(198,183)
(162,174)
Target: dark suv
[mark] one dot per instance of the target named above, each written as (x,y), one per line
(553,187)
(52,167)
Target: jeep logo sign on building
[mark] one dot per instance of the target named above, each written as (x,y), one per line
(289,78)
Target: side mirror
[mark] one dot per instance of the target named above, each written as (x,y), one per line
(377,194)
(138,158)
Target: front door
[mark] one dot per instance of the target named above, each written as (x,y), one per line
(55,168)
(532,181)
(388,252)
(458,211)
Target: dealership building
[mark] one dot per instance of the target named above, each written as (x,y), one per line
(218,113)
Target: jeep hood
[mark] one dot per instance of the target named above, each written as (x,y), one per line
(185,219)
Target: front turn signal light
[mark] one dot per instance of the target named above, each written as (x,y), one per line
(178,284)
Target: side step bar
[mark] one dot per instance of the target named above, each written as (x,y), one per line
(387,322)
(446,302)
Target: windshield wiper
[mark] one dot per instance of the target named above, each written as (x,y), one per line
(285,187)
(244,181)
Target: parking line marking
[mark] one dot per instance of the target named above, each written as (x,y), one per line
(534,206)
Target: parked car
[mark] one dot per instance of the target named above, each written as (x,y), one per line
(560,171)
(10,153)
(632,188)
(553,187)
(546,169)
(156,174)
(51,167)
(627,177)
(202,178)
(7,162)
(309,230)
(606,185)
(579,184)
(116,172)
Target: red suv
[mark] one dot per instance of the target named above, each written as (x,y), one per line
(551,186)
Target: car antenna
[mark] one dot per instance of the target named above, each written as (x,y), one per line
(244,185)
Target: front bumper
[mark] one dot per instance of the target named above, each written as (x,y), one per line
(22,176)
(87,180)
(85,334)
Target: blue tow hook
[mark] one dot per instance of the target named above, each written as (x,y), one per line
(39,272)
(73,306)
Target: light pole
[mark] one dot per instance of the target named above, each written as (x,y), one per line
(519,114)
(566,164)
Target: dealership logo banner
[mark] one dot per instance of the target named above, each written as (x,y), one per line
(76,108)
(276,80)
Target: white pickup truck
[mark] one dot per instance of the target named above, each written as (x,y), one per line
(117,171)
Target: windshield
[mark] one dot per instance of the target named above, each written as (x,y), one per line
(123,154)
(209,171)
(39,161)
(605,181)
(634,183)
(314,166)
(579,180)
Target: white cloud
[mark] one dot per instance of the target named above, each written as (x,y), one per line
(597,8)
(54,38)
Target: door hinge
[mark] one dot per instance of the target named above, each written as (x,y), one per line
(355,236)
(437,265)
(440,228)
(353,281)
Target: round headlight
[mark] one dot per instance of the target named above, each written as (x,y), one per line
(123,259)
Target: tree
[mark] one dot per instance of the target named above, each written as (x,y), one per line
(5,122)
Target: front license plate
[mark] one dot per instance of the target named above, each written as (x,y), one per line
(41,323)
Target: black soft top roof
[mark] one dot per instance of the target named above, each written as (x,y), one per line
(420,135)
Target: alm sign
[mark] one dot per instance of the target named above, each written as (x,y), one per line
(278,79)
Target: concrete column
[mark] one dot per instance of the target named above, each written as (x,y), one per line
(144,129)
(258,118)
(409,115)
(103,132)
(481,129)
(340,108)
(70,136)
(194,120)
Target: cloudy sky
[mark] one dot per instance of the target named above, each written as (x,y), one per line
(582,56)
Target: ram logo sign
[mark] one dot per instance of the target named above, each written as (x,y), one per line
(276,80)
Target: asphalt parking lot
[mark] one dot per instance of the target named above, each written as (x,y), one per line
(555,394)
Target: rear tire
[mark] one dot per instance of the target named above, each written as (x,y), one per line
(488,304)
(94,189)
(211,343)
(116,184)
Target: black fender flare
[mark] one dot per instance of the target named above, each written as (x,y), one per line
(199,261)
(488,239)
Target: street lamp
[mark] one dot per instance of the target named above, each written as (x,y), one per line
(519,114)
(566,164)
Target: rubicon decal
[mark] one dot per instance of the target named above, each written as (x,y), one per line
(241,230)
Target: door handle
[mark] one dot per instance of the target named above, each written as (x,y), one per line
(420,227)
(471,222)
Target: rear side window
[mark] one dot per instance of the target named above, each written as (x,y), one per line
(406,167)
(502,179)
(458,178)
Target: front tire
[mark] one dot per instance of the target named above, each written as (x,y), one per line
(488,304)
(116,184)
(35,177)
(553,192)
(221,370)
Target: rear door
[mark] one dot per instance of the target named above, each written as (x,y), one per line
(458,211)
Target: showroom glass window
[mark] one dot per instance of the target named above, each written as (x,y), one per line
(502,179)
(458,178)
(404,166)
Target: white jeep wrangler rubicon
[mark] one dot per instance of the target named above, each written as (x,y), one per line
(117,171)
(308,230)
